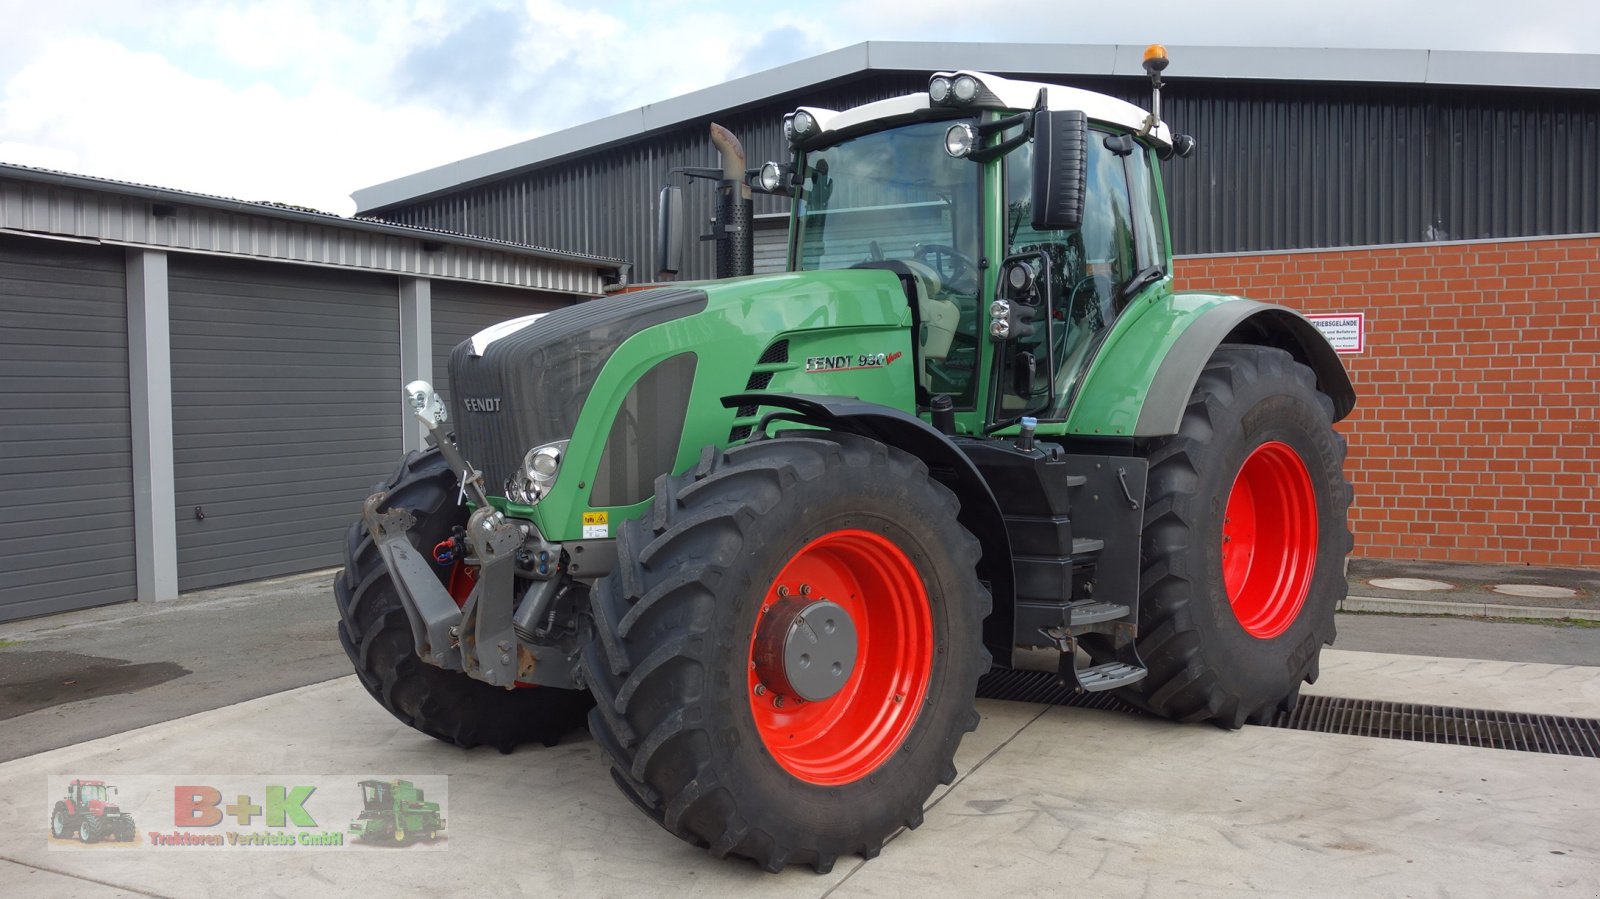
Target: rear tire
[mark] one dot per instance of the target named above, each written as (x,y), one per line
(693,736)
(376,635)
(1233,618)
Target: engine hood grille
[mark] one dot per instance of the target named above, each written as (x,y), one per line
(529,386)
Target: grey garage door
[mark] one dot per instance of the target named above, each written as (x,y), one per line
(462,310)
(286,410)
(66,482)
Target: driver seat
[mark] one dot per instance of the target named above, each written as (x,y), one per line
(937,319)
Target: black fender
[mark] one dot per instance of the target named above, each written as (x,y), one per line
(1239,321)
(980,511)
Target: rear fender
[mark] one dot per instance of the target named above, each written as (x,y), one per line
(980,511)
(1140,381)
(1240,321)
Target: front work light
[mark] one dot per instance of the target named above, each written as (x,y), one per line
(771,177)
(960,139)
(939,89)
(965,88)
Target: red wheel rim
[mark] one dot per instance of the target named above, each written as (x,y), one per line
(847,736)
(1269,540)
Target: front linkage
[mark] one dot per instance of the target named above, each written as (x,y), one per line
(479,636)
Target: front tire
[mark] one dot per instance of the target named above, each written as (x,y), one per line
(1245,541)
(376,635)
(59,823)
(708,730)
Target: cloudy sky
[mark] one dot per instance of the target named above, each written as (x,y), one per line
(302,102)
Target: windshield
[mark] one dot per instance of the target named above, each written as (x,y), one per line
(92,793)
(896,200)
(375,794)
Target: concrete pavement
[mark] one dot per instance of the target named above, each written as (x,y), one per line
(81,675)
(1050,800)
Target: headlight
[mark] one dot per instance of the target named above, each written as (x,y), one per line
(960,139)
(965,88)
(939,89)
(539,469)
(999,309)
(544,462)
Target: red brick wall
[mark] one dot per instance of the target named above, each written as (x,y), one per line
(1476,435)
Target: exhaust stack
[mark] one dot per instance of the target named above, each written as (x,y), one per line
(731,226)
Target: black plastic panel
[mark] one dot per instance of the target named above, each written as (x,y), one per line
(645,434)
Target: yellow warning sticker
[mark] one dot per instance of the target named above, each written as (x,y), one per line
(596,525)
(597,518)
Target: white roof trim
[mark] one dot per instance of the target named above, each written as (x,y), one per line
(1572,71)
(1014,94)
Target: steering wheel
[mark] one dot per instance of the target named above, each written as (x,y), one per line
(951,265)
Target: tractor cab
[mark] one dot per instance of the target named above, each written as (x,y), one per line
(376,796)
(1022,219)
(87,792)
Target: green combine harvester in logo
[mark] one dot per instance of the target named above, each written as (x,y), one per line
(395,811)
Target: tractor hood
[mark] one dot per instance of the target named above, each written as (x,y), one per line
(522,384)
(634,382)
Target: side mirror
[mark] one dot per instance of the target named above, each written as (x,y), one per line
(669,231)
(1060,167)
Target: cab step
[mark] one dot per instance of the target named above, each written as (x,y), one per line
(1092,611)
(1108,676)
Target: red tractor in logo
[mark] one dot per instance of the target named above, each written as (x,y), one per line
(88,811)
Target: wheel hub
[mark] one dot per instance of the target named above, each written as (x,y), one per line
(805,649)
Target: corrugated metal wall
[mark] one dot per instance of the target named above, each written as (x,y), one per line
(253,231)
(1279,166)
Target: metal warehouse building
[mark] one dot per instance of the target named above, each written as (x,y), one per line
(197,391)
(1451,199)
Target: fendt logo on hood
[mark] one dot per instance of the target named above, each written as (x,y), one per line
(482,404)
(817,364)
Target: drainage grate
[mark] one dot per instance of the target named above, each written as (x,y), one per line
(1555,734)
(1525,732)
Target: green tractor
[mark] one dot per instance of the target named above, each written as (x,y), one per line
(395,811)
(767,532)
